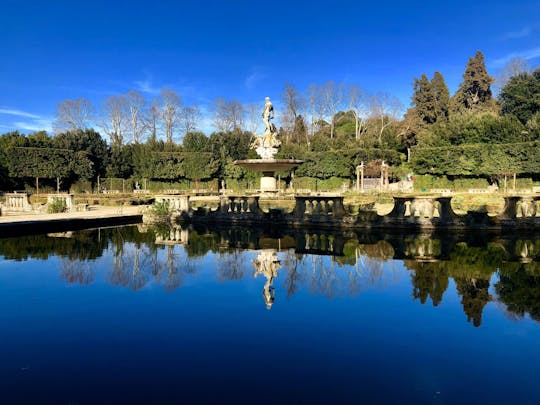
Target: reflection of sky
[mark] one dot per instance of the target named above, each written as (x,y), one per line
(212,338)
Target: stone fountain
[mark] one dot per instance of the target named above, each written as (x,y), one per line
(266,146)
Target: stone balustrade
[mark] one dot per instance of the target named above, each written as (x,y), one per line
(422,207)
(319,206)
(17,202)
(425,211)
(520,206)
(67,198)
(239,204)
(176,202)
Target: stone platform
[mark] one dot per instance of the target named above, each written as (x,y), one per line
(96,216)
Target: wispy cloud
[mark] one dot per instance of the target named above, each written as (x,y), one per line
(18,113)
(42,124)
(526,54)
(522,33)
(146,86)
(31,122)
(254,77)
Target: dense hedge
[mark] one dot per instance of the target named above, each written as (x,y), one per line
(478,159)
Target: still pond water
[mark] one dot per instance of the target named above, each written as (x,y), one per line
(136,314)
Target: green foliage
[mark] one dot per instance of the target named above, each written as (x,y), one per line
(521,96)
(57,205)
(423,100)
(39,162)
(196,142)
(90,152)
(161,209)
(441,97)
(467,127)
(478,159)
(199,165)
(474,92)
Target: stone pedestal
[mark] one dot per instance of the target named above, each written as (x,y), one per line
(268,184)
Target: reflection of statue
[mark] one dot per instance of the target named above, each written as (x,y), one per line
(266,144)
(267,264)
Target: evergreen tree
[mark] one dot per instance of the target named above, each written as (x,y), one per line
(474,92)
(423,100)
(441,97)
(521,96)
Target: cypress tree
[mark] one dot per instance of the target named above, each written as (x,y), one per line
(474,92)
(423,100)
(441,96)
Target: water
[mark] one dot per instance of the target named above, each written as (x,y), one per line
(131,314)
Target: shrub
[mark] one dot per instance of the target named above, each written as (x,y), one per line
(56,205)
(161,209)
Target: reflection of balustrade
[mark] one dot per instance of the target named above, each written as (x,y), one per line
(239,204)
(175,202)
(176,236)
(519,206)
(324,244)
(320,206)
(17,202)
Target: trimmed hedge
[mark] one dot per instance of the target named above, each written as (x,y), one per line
(478,159)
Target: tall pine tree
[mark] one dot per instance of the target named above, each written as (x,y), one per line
(474,93)
(441,97)
(423,100)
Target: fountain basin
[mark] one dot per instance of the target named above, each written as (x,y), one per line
(268,167)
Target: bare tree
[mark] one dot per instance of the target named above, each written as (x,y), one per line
(293,103)
(359,105)
(385,108)
(312,96)
(72,115)
(254,117)
(171,110)
(514,67)
(332,97)
(136,103)
(191,116)
(152,120)
(228,115)
(115,118)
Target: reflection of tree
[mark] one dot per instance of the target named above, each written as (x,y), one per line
(292,268)
(429,280)
(231,265)
(474,297)
(520,292)
(75,271)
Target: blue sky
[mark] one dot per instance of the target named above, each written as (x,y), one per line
(55,50)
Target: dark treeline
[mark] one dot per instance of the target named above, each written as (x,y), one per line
(331,126)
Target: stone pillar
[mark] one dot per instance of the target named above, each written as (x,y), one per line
(299,206)
(338,210)
(510,208)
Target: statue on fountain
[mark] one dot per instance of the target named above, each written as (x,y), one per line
(266,144)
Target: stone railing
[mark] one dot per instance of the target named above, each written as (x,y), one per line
(67,198)
(422,208)
(520,206)
(17,202)
(239,204)
(324,206)
(176,202)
